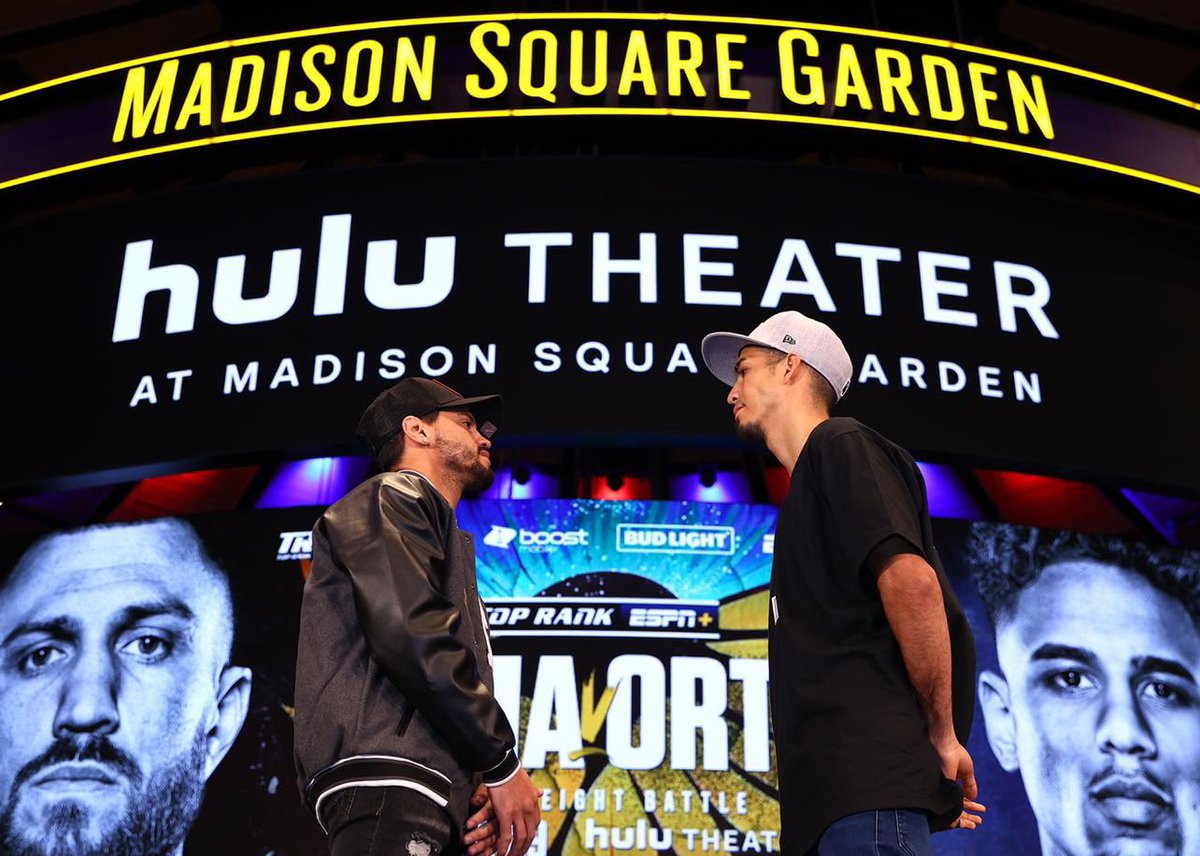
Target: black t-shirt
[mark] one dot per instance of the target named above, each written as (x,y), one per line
(850,734)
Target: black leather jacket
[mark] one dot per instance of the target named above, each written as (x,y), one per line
(393,673)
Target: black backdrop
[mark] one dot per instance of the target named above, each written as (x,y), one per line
(1116,386)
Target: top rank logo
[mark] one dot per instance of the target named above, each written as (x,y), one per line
(294,545)
(576,617)
(675,538)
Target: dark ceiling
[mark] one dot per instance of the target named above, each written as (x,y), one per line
(1152,42)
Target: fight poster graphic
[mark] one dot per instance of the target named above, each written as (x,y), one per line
(629,643)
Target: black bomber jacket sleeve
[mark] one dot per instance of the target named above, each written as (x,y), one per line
(394,554)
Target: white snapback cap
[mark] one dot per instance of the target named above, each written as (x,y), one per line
(791,332)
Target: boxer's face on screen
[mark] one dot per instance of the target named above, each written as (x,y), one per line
(1099,708)
(113,644)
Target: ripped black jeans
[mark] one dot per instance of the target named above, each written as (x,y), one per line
(387,821)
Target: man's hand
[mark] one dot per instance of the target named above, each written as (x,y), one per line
(958,766)
(481,826)
(517,813)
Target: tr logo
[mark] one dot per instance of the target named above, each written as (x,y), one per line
(294,545)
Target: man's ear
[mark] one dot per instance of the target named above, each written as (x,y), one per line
(793,368)
(233,702)
(416,430)
(996,700)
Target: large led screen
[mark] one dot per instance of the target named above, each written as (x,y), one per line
(630,642)
(264,315)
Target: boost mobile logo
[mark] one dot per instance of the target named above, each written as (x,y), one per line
(535,540)
(294,545)
(500,536)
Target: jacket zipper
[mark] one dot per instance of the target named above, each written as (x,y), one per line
(404,720)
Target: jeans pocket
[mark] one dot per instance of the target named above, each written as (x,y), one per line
(335,807)
(351,806)
(912,833)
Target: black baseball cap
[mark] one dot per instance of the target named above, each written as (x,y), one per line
(419,396)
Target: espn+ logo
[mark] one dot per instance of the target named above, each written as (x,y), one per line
(535,539)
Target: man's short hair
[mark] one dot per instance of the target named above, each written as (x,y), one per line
(1005,559)
(822,390)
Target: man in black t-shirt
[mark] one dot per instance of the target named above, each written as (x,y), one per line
(872,662)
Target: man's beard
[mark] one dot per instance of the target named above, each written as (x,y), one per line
(473,475)
(750,432)
(476,480)
(159,813)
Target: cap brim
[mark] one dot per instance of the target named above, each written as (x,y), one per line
(487,409)
(720,352)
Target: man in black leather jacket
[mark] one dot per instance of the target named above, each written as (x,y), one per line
(398,732)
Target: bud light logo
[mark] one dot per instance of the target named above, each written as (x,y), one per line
(675,538)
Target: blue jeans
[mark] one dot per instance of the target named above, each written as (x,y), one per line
(893,832)
(387,820)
